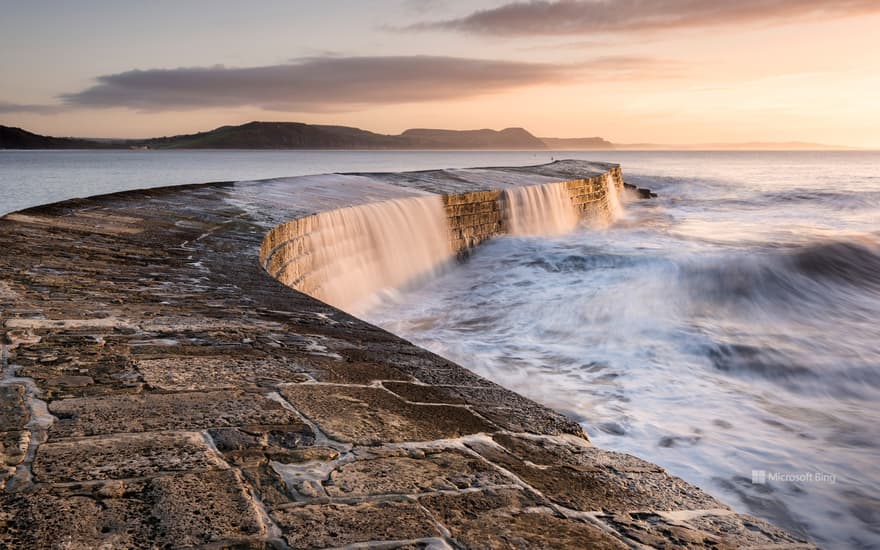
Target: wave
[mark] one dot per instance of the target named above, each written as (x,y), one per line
(804,317)
(804,273)
(828,198)
(856,264)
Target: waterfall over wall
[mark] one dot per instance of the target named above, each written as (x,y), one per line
(347,255)
(540,210)
(613,192)
(360,250)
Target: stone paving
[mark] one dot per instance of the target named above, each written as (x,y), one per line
(160,389)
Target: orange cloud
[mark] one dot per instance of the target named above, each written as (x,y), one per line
(544,17)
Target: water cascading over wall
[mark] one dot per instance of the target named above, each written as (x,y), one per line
(540,210)
(346,255)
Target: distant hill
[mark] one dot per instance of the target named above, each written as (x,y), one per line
(279,135)
(297,135)
(574,144)
(290,135)
(16,138)
(509,138)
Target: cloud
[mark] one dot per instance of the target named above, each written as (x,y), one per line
(314,84)
(7,107)
(542,17)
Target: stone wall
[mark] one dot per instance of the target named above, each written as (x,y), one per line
(285,253)
(473,218)
(590,195)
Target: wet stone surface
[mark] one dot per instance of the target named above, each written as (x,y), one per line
(150,412)
(509,518)
(123,456)
(334,525)
(161,390)
(413,472)
(368,415)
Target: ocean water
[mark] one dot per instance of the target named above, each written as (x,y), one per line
(31,178)
(727,330)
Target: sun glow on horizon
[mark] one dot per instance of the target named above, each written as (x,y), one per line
(807,79)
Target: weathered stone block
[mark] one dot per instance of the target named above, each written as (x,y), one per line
(422,393)
(335,525)
(727,531)
(215,373)
(508,518)
(14,410)
(514,412)
(169,511)
(153,412)
(599,480)
(123,456)
(370,415)
(404,475)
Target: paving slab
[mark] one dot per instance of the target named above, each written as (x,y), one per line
(336,525)
(164,411)
(124,456)
(612,482)
(370,415)
(183,510)
(411,473)
(509,518)
(14,410)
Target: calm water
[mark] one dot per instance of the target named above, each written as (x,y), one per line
(728,328)
(30,178)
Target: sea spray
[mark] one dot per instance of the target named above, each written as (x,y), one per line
(612,193)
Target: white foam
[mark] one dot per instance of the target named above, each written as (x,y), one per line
(362,250)
(540,210)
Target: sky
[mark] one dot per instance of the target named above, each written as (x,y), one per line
(631,71)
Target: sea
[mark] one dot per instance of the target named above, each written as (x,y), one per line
(727,330)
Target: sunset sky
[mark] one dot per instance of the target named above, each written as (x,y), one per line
(661,71)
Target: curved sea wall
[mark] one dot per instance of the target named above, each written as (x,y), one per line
(343,255)
(159,389)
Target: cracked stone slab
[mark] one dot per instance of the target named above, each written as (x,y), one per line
(123,456)
(415,472)
(516,413)
(742,531)
(611,482)
(335,525)
(13,450)
(728,531)
(168,511)
(509,518)
(84,416)
(215,373)
(422,393)
(574,451)
(14,411)
(358,372)
(370,415)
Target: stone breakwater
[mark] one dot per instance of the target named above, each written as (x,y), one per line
(342,256)
(159,389)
